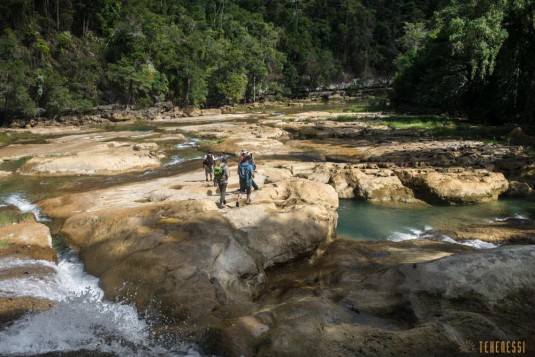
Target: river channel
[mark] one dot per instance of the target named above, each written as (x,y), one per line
(83,323)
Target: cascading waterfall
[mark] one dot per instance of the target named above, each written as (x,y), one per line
(17,199)
(80,319)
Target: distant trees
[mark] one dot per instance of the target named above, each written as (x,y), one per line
(61,56)
(16,77)
(476,58)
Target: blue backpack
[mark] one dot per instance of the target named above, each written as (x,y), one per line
(245,171)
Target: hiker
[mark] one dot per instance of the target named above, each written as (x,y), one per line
(243,154)
(246,174)
(208,164)
(221,175)
(242,157)
(255,186)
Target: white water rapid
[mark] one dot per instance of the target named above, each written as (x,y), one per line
(80,319)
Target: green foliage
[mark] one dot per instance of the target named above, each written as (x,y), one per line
(139,125)
(442,126)
(347,118)
(429,122)
(410,42)
(471,56)
(41,47)
(138,81)
(7,218)
(7,138)
(13,165)
(64,39)
(15,76)
(476,59)
(231,86)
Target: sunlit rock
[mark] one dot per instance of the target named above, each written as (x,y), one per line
(460,186)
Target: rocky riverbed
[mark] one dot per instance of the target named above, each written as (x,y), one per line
(273,278)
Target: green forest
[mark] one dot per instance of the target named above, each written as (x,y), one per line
(472,58)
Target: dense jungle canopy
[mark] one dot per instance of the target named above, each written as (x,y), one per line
(473,57)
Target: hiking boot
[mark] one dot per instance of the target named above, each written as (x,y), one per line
(224,202)
(248,202)
(237,204)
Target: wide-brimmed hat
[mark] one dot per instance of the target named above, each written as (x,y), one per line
(243,151)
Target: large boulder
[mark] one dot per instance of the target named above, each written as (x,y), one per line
(27,240)
(373,185)
(381,185)
(188,254)
(454,186)
(382,299)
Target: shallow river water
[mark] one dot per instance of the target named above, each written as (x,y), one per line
(363,221)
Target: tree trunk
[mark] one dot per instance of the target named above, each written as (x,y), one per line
(57,15)
(186,97)
(4,116)
(529,109)
(221,21)
(130,90)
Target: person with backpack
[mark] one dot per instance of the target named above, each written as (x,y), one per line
(246,174)
(255,186)
(243,154)
(242,157)
(208,165)
(221,175)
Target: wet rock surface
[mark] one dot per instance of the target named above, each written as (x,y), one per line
(23,243)
(362,298)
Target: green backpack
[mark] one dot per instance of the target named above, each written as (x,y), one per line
(218,172)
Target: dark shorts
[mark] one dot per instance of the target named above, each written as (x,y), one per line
(245,187)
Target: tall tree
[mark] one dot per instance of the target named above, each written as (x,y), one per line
(476,59)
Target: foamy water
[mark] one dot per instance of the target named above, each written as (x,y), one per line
(80,319)
(18,200)
(475,243)
(192,142)
(411,233)
(174,161)
(427,232)
(516,216)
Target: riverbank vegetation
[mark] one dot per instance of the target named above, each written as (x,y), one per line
(11,217)
(67,56)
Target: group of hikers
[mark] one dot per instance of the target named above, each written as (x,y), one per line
(219,175)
